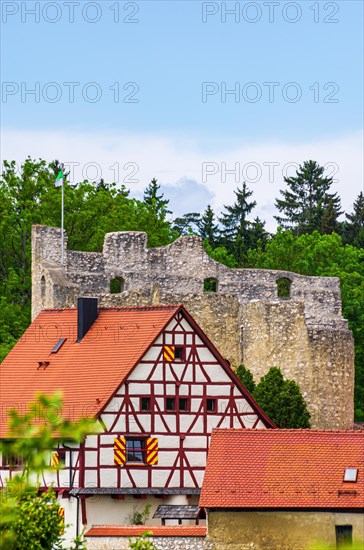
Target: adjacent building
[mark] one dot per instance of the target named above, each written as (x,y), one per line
(284,489)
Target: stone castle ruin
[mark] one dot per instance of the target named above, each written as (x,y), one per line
(258,317)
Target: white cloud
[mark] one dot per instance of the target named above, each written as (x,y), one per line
(190,177)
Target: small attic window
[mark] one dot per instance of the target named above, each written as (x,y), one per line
(116,285)
(210,284)
(351,474)
(59,344)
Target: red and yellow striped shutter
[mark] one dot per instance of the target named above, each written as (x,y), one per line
(61,515)
(55,460)
(119,451)
(168,353)
(152,451)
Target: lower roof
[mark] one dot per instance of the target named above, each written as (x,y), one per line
(155,530)
(134,491)
(176,511)
(283,469)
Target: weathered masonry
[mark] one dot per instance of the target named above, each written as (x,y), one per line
(259,317)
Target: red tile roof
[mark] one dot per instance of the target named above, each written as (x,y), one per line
(156,530)
(283,469)
(87,372)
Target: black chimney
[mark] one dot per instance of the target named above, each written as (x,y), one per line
(87,315)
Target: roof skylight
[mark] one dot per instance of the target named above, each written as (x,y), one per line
(59,344)
(351,474)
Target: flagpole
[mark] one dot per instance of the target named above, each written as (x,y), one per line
(62,226)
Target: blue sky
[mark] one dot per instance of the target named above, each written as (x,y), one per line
(174,59)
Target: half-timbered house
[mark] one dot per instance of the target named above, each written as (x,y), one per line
(157,386)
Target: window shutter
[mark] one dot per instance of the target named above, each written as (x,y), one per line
(152,451)
(61,516)
(168,353)
(55,460)
(119,451)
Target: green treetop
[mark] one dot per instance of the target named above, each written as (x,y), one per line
(207,227)
(235,224)
(354,226)
(282,400)
(304,204)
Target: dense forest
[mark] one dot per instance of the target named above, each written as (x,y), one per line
(310,239)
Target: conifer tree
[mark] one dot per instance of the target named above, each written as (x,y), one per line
(354,226)
(329,223)
(207,227)
(258,236)
(235,224)
(304,203)
(155,201)
(246,378)
(282,400)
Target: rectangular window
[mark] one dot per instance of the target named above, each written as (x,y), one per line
(211,405)
(12,461)
(62,457)
(170,404)
(145,403)
(183,404)
(135,450)
(344,536)
(179,353)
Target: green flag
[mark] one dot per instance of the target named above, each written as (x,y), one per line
(59,179)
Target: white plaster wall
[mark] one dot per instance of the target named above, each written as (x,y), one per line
(195,403)
(102,509)
(193,441)
(140,476)
(139,389)
(249,421)
(179,339)
(166,459)
(70,517)
(108,420)
(90,478)
(159,478)
(108,477)
(217,390)
(196,458)
(120,425)
(152,353)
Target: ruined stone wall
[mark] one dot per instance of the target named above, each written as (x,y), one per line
(304,335)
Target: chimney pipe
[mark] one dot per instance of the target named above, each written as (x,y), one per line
(86,315)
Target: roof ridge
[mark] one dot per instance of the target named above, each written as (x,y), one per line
(290,430)
(117,308)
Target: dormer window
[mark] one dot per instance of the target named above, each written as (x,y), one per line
(351,474)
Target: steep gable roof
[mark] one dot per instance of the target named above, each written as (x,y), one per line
(88,373)
(283,469)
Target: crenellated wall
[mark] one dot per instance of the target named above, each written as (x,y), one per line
(305,334)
